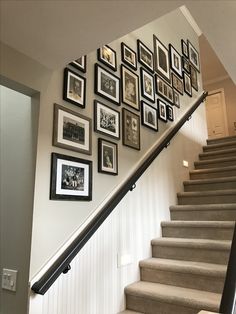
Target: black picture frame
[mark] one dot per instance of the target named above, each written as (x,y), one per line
(193,56)
(145,56)
(161,59)
(106,120)
(130,88)
(184,47)
(175,60)
(176,98)
(170,113)
(187,84)
(107,157)
(194,78)
(107,56)
(149,116)
(74,88)
(161,110)
(128,56)
(163,89)
(186,64)
(71,178)
(80,64)
(107,85)
(131,129)
(147,85)
(177,83)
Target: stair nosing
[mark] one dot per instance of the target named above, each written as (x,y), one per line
(229,143)
(198,224)
(207,193)
(221,138)
(210,170)
(216,160)
(217,152)
(229,206)
(211,180)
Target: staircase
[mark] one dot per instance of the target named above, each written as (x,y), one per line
(186,272)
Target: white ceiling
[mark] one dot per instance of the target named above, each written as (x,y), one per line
(56,32)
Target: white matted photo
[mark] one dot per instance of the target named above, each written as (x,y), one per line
(149,116)
(107,157)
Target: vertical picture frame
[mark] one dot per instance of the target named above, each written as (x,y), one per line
(187,84)
(131,129)
(107,56)
(149,116)
(80,64)
(130,88)
(184,47)
(145,56)
(107,157)
(162,114)
(161,59)
(175,61)
(128,56)
(193,56)
(147,85)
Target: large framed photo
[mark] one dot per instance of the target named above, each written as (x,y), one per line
(177,84)
(74,90)
(71,178)
(80,64)
(107,84)
(147,85)
(175,60)
(106,120)
(107,56)
(130,87)
(161,59)
(128,56)
(184,47)
(107,157)
(131,129)
(163,89)
(193,56)
(149,116)
(72,130)
(194,78)
(162,114)
(187,84)
(145,56)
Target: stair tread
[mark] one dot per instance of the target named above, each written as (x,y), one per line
(175,295)
(219,145)
(212,180)
(215,160)
(218,152)
(129,312)
(200,268)
(233,137)
(216,169)
(206,193)
(198,224)
(204,207)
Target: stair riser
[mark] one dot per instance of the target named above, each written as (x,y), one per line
(209,148)
(214,199)
(186,280)
(204,215)
(221,140)
(210,186)
(211,175)
(191,254)
(198,233)
(218,155)
(215,164)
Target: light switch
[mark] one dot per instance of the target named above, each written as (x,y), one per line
(185,163)
(9,277)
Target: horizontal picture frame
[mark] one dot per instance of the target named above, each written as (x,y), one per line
(161,109)
(147,85)
(161,59)
(163,89)
(131,129)
(107,157)
(72,130)
(193,56)
(130,88)
(80,64)
(175,60)
(128,56)
(107,56)
(187,84)
(149,116)
(71,178)
(145,56)
(74,88)
(177,84)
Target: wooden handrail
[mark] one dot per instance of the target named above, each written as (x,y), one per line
(62,264)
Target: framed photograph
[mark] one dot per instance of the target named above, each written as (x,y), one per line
(80,64)
(74,90)
(145,56)
(107,56)
(187,84)
(193,56)
(147,85)
(107,85)
(163,89)
(177,84)
(162,115)
(72,130)
(194,78)
(149,116)
(185,64)
(184,47)
(131,129)
(71,178)
(175,60)
(161,59)
(130,87)
(107,157)
(106,120)
(176,99)
(128,56)
(170,113)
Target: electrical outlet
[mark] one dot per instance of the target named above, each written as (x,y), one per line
(9,277)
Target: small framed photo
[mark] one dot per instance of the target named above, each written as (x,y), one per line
(184,47)
(186,65)
(177,84)
(145,56)
(107,56)
(175,61)
(194,78)
(147,85)
(72,130)
(106,120)
(71,178)
(130,87)
(170,113)
(131,129)
(128,56)
(193,56)
(187,84)
(162,115)
(149,116)
(107,85)
(74,90)
(163,89)
(176,99)
(80,64)
(107,157)
(161,59)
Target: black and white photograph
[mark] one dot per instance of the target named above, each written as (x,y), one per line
(177,84)
(80,64)
(147,85)
(131,129)
(106,120)
(163,89)
(71,178)
(161,59)
(107,56)
(193,56)
(184,47)
(107,84)
(145,56)
(149,116)
(72,130)
(194,78)
(130,87)
(187,84)
(186,65)
(170,113)
(107,157)
(176,101)
(162,114)
(128,56)
(175,60)
(74,90)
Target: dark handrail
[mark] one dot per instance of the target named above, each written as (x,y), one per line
(228,300)
(61,265)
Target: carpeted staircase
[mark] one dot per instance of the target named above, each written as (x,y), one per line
(186,272)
